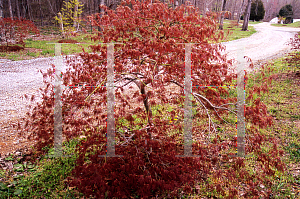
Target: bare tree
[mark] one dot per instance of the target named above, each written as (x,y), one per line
(1,8)
(10,9)
(101,11)
(240,12)
(18,9)
(51,8)
(75,21)
(24,8)
(296,8)
(233,9)
(206,4)
(41,13)
(29,10)
(1,16)
(222,15)
(247,16)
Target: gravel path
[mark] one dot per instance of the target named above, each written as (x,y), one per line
(267,43)
(22,77)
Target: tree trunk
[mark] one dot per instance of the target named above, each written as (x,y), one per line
(12,32)
(89,5)
(24,8)
(240,12)
(51,8)
(10,10)
(101,11)
(61,24)
(1,8)
(41,15)
(247,16)
(1,16)
(234,8)
(75,22)
(18,9)
(146,103)
(205,5)
(256,8)
(222,15)
(147,107)
(217,6)
(29,10)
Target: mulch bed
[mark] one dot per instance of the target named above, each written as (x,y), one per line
(70,41)
(10,48)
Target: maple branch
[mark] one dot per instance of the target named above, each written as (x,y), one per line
(213,106)
(141,85)
(207,112)
(218,107)
(196,95)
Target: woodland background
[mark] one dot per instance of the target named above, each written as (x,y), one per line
(42,12)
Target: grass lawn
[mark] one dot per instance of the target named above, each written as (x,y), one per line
(36,48)
(235,32)
(255,22)
(47,177)
(292,25)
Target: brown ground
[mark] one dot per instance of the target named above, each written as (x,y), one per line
(10,48)
(70,41)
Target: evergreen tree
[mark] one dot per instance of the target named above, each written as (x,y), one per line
(286,11)
(257,10)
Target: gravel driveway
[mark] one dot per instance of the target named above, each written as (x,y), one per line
(267,43)
(22,77)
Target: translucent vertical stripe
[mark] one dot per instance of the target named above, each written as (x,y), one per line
(240,102)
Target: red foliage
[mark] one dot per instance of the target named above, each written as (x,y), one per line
(227,15)
(11,48)
(13,31)
(294,57)
(70,41)
(151,55)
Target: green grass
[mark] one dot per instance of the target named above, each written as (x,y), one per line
(44,48)
(255,22)
(292,25)
(236,32)
(45,179)
(48,48)
(283,102)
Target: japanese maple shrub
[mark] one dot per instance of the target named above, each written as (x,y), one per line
(294,57)
(149,53)
(14,31)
